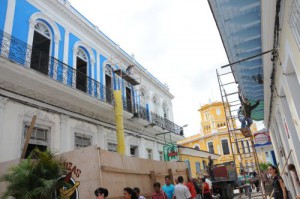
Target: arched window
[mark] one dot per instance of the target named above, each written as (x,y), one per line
(41,46)
(197,147)
(81,69)
(108,83)
(165,110)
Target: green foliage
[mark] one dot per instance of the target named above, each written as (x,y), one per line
(264,166)
(34,178)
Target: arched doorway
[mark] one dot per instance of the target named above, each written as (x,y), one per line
(81,70)
(41,48)
(108,83)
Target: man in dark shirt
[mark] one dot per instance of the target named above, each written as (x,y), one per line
(210,167)
(244,112)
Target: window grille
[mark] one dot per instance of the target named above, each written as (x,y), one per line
(39,136)
(112,147)
(82,140)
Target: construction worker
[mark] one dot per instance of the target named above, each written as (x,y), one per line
(244,112)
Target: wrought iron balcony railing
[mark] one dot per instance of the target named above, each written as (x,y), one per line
(21,53)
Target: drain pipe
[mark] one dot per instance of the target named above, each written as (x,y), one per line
(119,122)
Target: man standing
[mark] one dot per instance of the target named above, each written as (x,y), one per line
(158,193)
(210,168)
(181,191)
(168,188)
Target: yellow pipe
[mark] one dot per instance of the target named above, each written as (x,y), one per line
(119,121)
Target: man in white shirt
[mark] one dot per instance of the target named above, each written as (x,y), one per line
(181,191)
(208,181)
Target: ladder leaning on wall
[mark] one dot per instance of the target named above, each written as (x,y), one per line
(231,103)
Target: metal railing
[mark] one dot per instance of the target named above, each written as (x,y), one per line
(25,55)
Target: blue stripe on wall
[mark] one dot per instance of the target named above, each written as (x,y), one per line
(72,40)
(61,42)
(3,9)
(23,12)
(102,60)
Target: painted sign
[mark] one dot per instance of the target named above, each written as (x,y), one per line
(69,186)
(262,138)
(170,152)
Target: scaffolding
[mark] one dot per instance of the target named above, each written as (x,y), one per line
(237,136)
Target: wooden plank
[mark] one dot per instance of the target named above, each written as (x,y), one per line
(28,135)
(118,170)
(171,176)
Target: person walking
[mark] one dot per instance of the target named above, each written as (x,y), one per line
(191,187)
(210,167)
(137,192)
(129,193)
(278,184)
(180,190)
(198,188)
(101,193)
(158,193)
(168,188)
(206,194)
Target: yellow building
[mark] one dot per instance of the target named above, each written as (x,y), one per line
(214,137)
(195,159)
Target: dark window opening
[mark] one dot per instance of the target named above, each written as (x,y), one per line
(31,147)
(40,53)
(225,147)
(81,75)
(108,88)
(128,100)
(210,147)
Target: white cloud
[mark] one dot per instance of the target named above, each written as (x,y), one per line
(177,41)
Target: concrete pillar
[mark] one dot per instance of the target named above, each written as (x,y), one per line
(100,137)
(63,132)
(3,101)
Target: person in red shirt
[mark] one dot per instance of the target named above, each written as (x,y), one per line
(190,185)
(158,194)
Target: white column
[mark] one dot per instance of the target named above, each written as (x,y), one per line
(3,101)
(142,149)
(63,132)
(9,19)
(100,137)
(66,52)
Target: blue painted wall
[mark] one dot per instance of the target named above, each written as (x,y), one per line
(3,8)
(23,11)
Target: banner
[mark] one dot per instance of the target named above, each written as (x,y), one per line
(262,138)
(171,152)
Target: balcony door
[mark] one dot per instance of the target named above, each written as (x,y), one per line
(108,83)
(81,70)
(128,99)
(41,48)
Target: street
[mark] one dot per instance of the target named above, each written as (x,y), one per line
(254,195)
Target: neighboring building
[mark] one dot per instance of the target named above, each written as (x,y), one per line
(59,66)
(195,159)
(215,138)
(249,28)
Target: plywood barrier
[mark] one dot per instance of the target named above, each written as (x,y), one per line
(93,167)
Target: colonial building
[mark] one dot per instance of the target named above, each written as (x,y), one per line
(57,65)
(265,36)
(214,137)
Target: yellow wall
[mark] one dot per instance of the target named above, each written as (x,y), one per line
(212,123)
(193,160)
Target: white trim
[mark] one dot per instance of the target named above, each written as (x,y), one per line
(10,14)
(9,20)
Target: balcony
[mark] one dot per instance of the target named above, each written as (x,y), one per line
(29,58)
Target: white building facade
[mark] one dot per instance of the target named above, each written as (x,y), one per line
(57,65)
(281,30)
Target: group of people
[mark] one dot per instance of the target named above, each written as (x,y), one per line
(200,188)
